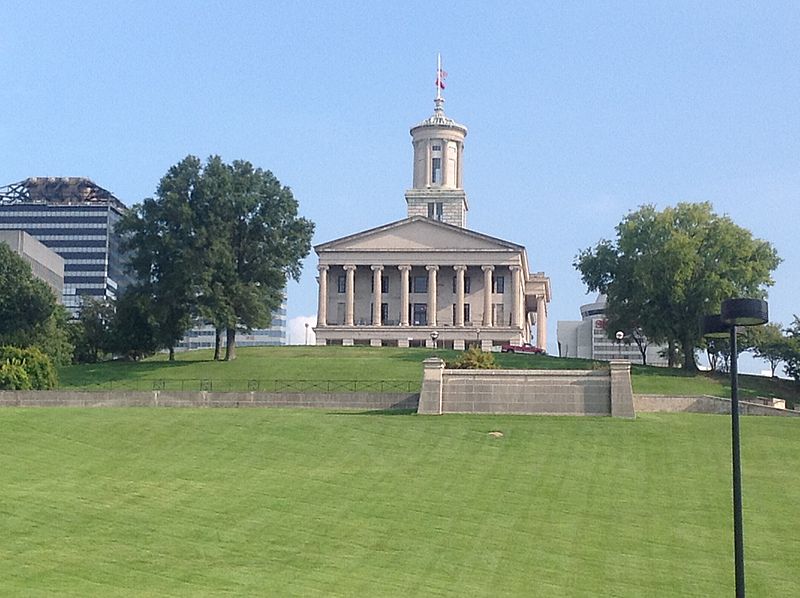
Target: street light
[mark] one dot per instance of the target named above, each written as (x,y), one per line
(619,336)
(736,312)
(434,336)
(306,333)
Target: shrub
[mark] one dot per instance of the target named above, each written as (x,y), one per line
(14,377)
(473,359)
(38,368)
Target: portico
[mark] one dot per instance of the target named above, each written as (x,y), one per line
(396,284)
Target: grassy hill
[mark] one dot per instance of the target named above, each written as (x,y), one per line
(268,368)
(191,502)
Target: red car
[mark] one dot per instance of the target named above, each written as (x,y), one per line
(524,348)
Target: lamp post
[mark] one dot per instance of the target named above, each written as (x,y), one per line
(619,336)
(434,336)
(736,312)
(306,333)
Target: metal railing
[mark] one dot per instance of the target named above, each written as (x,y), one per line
(254,385)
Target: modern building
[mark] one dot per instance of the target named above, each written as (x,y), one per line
(427,278)
(75,218)
(202,337)
(589,338)
(45,264)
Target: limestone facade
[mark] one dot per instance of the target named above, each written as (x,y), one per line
(426,279)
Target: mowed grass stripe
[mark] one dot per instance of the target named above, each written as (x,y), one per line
(188,502)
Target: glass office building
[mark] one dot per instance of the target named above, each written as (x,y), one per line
(75,218)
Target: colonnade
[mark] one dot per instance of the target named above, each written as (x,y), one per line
(432,299)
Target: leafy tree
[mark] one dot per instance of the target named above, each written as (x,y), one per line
(219,242)
(768,343)
(135,326)
(255,241)
(160,236)
(791,350)
(25,301)
(93,333)
(30,315)
(668,268)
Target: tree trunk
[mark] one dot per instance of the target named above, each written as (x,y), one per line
(172,353)
(217,342)
(689,363)
(230,348)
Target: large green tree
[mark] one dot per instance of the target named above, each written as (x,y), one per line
(218,242)
(768,343)
(254,242)
(160,235)
(667,268)
(30,315)
(791,350)
(25,301)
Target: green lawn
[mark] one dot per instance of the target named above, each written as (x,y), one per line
(270,368)
(160,502)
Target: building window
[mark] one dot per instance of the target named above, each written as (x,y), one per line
(436,210)
(420,314)
(340,313)
(436,170)
(420,284)
(498,284)
(384,313)
(384,285)
(466,313)
(467,284)
(341,283)
(436,148)
(498,315)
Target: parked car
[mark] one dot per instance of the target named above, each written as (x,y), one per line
(524,348)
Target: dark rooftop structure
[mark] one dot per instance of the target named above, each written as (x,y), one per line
(57,190)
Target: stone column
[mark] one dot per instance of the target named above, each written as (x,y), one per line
(349,306)
(432,307)
(428,165)
(621,391)
(516,291)
(460,165)
(487,294)
(377,271)
(459,321)
(445,178)
(322,303)
(430,396)
(404,270)
(541,322)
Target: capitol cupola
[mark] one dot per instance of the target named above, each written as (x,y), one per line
(438,190)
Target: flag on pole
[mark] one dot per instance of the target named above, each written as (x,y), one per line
(441,75)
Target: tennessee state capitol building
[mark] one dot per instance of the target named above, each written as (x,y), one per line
(396,284)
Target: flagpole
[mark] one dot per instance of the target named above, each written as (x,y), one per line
(438,76)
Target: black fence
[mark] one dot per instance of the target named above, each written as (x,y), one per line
(266,385)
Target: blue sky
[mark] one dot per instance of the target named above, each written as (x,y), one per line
(578,112)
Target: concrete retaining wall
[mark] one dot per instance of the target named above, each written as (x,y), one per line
(703,404)
(544,392)
(159,398)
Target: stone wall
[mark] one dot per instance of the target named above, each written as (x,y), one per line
(703,404)
(544,392)
(366,401)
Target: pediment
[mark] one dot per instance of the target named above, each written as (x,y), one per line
(418,234)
